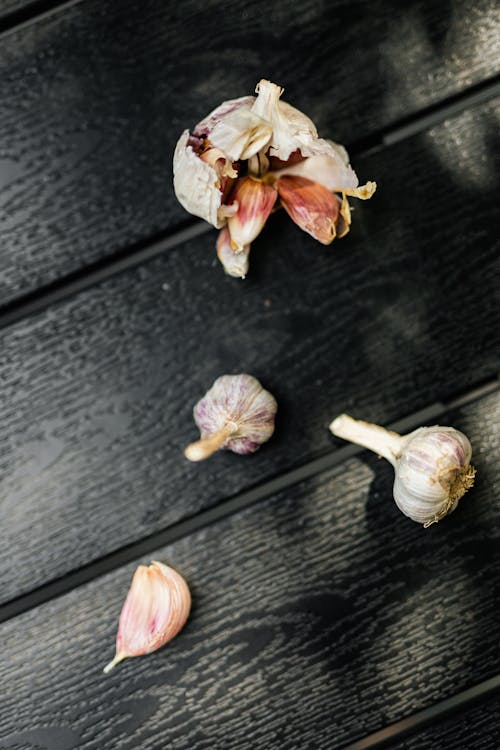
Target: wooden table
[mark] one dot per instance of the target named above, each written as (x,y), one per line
(322,617)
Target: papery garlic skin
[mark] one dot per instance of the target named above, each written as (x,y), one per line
(432,465)
(197,184)
(326,169)
(291,129)
(236,414)
(155,610)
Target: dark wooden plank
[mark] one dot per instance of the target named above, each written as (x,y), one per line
(9,6)
(319,615)
(94,98)
(97,393)
(477,728)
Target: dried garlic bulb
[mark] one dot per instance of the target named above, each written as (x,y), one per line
(432,465)
(236,414)
(253,154)
(155,610)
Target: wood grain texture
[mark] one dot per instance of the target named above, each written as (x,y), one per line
(9,6)
(97,393)
(319,616)
(476,728)
(94,98)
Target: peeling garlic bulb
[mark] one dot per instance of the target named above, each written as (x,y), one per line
(236,414)
(253,154)
(432,465)
(155,610)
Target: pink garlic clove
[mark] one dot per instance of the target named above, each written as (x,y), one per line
(155,610)
(255,201)
(311,206)
(236,414)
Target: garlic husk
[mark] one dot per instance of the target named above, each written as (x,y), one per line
(432,465)
(235,263)
(255,200)
(155,610)
(241,135)
(310,205)
(327,169)
(291,129)
(236,414)
(220,113)
(197,184)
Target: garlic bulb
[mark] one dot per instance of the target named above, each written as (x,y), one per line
(432,465)
(155,610)
(236,414)
(253,154)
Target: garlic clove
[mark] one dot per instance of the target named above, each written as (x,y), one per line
(310,205)
(432,465)
(197,184)
(255,200)
(236,414)
(235,263)
(155,610)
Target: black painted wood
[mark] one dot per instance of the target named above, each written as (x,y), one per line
(319,616)
(10,6)
(477,728)
(94,98)
(97,393)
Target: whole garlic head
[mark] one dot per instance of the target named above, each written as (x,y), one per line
(267,140)
(432,465)
(236,414)
(432,473)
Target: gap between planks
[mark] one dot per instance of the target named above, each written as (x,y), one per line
(230,506)
(427,716)
(140,252)
(33,12)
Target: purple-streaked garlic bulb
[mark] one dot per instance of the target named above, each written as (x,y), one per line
(432,465)
(155,611)
(256,153)
(236,414)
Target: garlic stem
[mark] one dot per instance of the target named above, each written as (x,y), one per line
(204,448)
(118,658)
(377,439)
